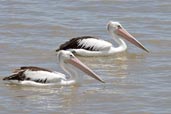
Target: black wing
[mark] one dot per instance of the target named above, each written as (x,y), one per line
(74,44)
(31,68)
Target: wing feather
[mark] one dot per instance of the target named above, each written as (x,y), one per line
(35,74)
(86,42)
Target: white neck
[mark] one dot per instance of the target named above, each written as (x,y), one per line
(122,45)
(71,71)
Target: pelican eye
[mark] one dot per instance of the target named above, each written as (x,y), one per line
(119,26)
(71,56)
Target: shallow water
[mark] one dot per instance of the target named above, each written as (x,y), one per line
(136,81)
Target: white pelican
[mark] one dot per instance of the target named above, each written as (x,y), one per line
(29,75)
(91,46)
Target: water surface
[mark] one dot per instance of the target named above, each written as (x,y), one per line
(136,81)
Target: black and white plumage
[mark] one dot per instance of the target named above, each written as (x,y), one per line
(30,75)
(91,46)
(86,42)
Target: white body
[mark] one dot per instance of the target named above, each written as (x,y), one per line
(103,48)
(52,78)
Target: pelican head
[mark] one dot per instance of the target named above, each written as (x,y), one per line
(66,57)
(117,28)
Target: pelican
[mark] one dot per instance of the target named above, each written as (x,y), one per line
(91,46)
(30,75)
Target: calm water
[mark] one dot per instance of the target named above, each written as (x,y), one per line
(137,82)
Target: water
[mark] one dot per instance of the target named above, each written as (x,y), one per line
(136,81)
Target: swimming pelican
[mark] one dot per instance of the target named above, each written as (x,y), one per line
(91,46)
(29,75)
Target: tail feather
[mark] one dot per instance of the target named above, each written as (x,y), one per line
(16,76)
(57,49)
(12,77)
